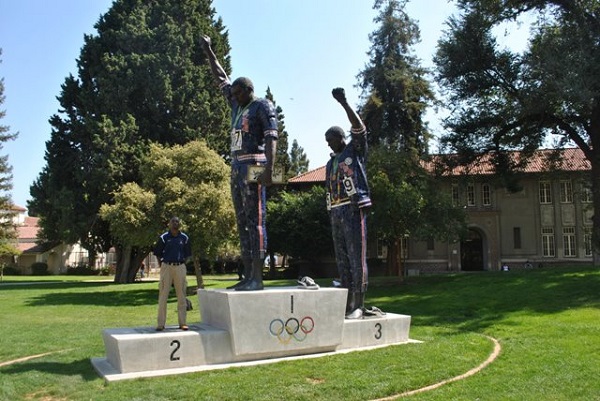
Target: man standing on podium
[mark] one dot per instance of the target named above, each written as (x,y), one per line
(348,201)
(253,143)
(172,249)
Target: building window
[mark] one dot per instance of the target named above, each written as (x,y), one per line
(470,195)
(586,193)
(545,192)
(382,249)
(569,241)
(455,195)
(517,237)
(548,241)
(486,198)
(587,241)
(404,247)
(566,191)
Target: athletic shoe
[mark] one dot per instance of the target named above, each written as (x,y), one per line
(307,283)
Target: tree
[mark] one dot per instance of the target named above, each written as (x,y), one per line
(396,92)
(395,96)
(7,229)
(298,160)
(408,203)
(189,181)
(141,80)
(282,157)
(298,224)
(503,100)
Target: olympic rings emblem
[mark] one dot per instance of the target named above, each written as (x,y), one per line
(291,329)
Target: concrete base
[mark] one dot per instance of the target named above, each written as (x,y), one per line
(258,326)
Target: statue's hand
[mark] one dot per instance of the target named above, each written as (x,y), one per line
(339,94)
(266,178)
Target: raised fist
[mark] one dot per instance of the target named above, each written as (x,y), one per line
(339,94)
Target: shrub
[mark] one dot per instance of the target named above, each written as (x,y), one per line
(11,271)
(81,270)
(39,269)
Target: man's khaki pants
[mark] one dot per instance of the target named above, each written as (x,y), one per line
(176,275)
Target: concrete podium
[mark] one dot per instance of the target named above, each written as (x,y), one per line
(251,327)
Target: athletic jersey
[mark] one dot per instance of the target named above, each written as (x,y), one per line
(250,125)
(346,175)
(173,249)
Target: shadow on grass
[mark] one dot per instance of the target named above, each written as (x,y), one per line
(474,302)
(81,368)
(52,285)
(98,294)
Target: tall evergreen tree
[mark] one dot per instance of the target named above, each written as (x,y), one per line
(396,93)
(141,79)
(298,160)
(505,100)
(7,230)
(282,157)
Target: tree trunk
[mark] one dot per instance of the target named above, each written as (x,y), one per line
(124,264)
(137,256)
(198,271)
(272,267)
(394,259)
(119,266)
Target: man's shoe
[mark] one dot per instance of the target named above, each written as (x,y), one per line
(160,328)
(184,327)
(355,314)
(251,285)
(307,283)
(238,284)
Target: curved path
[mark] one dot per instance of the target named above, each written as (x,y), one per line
(26,358)
(490,359)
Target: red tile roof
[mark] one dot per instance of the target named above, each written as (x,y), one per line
(573,159)
(316,175)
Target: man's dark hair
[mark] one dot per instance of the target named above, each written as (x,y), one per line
(245,83)
(335,131)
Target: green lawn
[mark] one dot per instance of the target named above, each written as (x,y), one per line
(547,322)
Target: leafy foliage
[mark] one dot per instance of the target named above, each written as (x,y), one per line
(298,224)
(189,181)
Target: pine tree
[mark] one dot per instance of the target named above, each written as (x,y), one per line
(282,157)
(298,160)
(141,79)
(396,92)
(7,229)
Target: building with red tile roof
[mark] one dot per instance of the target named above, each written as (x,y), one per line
(548,222)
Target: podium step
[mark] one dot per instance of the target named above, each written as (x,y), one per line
(248,328)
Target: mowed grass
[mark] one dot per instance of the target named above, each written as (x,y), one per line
(546,320)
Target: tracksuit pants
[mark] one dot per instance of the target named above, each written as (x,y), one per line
(249,202)
(349,229)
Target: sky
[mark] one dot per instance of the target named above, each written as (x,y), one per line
(299,49)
